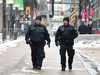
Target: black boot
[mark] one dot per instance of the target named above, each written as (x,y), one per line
(34,67)
(63,68)
(70,67)
(38,67)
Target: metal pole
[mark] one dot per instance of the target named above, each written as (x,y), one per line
(10,22)
(79,20)
(4,18)
(48,18)
(16,23)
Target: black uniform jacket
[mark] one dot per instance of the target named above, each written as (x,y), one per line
(37,33)
(66,33)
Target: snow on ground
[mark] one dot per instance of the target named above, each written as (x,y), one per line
(87,43)
(12,43)
(89,63)
(85,59)
(81,44)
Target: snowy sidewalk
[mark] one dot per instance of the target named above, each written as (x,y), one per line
(12,43)
(17,60)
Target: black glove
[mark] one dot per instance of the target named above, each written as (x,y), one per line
(27,41)
(48,43)
(56,43)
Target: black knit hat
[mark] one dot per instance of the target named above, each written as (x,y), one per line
(38,17)
(66,18)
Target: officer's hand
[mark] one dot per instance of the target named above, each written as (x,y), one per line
(56,43)
(27,41)
(48,43)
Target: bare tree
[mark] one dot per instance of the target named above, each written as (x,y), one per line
(11,17)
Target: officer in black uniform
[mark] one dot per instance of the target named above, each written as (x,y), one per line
(65,38)
(36,36)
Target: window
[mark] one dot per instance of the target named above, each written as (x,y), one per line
(73,5)
(66,7)
(66,1)
(93,6)
(93,15)
(48,0)
(55,13)
(77,9)
(55,7)
(72,1)
(98,3)
(49,7)
(97,23)
(57,0)
(97,14)
(93,25)
(77,1)
(76,5)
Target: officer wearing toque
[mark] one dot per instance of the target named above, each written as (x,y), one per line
(65,38)
(36,36)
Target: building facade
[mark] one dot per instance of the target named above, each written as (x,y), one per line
(96,16)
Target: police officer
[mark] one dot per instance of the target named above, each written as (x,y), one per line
(36,36)
(65,38)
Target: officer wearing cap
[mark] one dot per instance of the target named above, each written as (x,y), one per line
(36,36)
(65,38)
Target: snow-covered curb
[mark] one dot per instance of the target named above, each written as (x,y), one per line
(11,43)
(87,44)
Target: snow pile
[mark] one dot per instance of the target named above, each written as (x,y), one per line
(87,43)
(12,43)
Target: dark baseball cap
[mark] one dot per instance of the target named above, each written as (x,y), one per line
(38,17)
(66,18)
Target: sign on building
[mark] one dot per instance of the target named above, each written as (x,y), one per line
(28,10)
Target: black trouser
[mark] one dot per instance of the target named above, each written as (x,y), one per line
(70,51)
(37,53)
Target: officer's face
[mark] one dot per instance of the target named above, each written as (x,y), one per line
(38,21)
(65,22)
